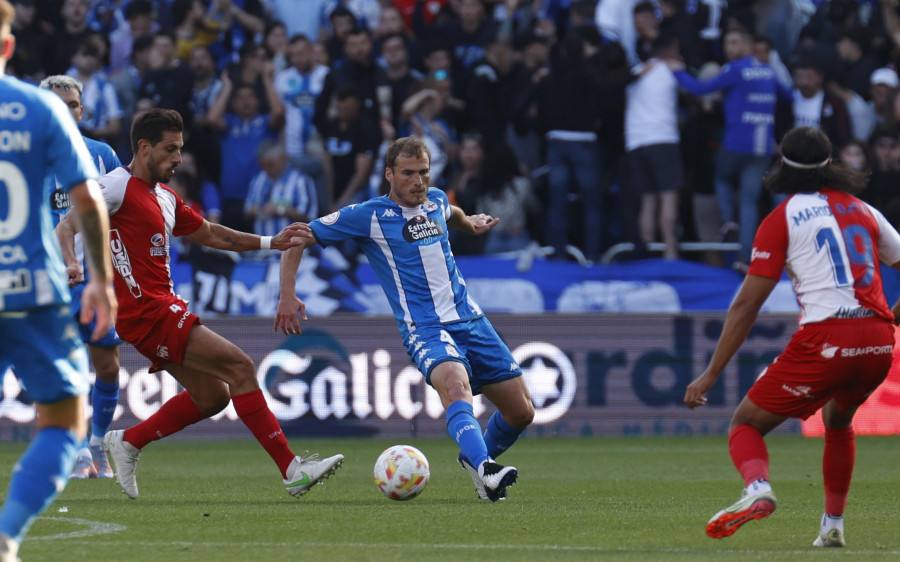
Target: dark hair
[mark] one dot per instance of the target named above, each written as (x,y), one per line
(347,91)
(808,145)
(153,124)
(180,10)
(341,11)
(411,147)
(138,8)
(644,7)
(809,62)
(141,44)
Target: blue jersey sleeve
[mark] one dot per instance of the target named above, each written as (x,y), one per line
(67,154)
(727,79)
(353,221)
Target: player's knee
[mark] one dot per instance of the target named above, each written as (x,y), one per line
(523,418)
(240,368)
(212,404)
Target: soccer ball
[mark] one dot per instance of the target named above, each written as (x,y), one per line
(401,472)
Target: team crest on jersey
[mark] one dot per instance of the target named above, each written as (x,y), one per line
(330,219)
(429,206)
(422,230)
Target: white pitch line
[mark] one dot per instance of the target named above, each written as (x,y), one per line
(527,547)
(94,528)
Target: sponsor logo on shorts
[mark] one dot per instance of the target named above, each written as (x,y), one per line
(869,350)
(828,351)
(122,263)
(799,391)
(183,318)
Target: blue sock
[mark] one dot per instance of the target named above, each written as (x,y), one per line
(465,430)
(499,435)
(104,397)
(40,474)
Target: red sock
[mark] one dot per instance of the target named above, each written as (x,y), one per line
(255,413)
(837,468)
(749,453)
(176,414)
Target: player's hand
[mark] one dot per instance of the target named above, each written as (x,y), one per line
(75,274)
(295,234)
(98,302)
(286,316)
(694,396)
(482,223)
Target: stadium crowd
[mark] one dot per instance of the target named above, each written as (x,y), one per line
(573,120)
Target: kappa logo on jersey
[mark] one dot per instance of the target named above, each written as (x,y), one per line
(122,263)
(388,213)
(422,230)
(159,241)
(330,219)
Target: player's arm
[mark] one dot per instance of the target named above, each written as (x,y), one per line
(470,224)
(289,304)
(65,231)
(98,297)
(740,318)
(224,238)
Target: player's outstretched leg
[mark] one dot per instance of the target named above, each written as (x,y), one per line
(491,479)
(305,472)
(125,456)
(757,502)
(298,473)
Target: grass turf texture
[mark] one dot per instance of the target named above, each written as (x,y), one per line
(577,499)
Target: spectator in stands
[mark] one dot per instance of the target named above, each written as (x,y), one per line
(678,23)
(467,34)
(351,144)
(207,86)
(275,41)
(200,188)
(279,194)
(420,117)
(196,25)
(252,62)
(466,180)
(883,87)
(27,61)
(243,21)
(343,21)
(615,20)
(885,167)
(242,129)
(361,72)
(169,83)
(127,82)
(402,78)
(367,13)
(495,79)
(65,41)
(856,61)
(654,171)
(505,193)
(751,90)
(299,86)
(300,18)
(139,23)
(102,118)
(816,108)
(567,111)
(646,27)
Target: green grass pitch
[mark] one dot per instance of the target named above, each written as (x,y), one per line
(577,499)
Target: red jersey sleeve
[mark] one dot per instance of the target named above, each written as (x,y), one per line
(770,245)
(187,220)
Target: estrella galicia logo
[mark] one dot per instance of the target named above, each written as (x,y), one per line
(421,230)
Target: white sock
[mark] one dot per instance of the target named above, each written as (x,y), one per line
(758,487)
(830,522)
(96,441)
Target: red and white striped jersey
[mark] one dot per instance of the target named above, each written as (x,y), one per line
(142,220)
(830,243)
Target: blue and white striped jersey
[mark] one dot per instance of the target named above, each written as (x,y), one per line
(106,160)
(37,132)
(410,253)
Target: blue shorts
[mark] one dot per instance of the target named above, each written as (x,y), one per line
(474,343)
(110,339)
(43,348)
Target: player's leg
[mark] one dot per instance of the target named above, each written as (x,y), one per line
(838,459)
(104,399)
(751,458)
(514,414)
(210,356)
(52,366)
(647,217)
(668,222)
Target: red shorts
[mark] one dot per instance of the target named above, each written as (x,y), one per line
(160,331)
(844,359)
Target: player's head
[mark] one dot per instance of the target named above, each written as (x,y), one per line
(737,43)
(156,140)
(806,166)
(69,89)
(7,41)
(407,170)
